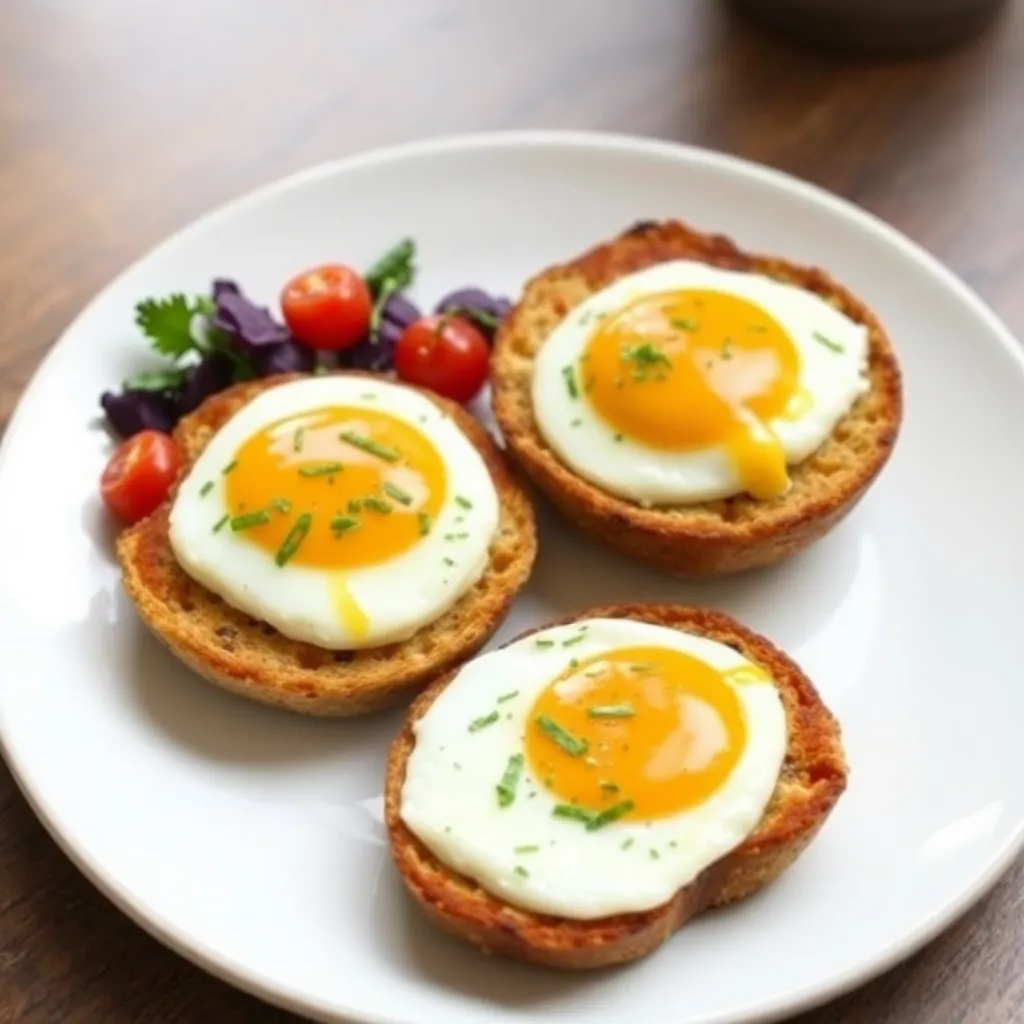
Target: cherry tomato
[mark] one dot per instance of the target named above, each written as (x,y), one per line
(443,353)
(139,475)
(327,307)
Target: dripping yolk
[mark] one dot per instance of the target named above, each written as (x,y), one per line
(648,725)
(335,488)
(691,369)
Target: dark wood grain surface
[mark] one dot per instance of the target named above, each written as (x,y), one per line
(122,121)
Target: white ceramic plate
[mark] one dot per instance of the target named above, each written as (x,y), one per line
(251,841)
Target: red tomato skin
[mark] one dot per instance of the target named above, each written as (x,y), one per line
(327,307)
(446,354)
(139,475)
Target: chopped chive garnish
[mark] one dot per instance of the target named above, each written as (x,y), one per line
(610,814)
(574,813)
(823,339)
(456,536)
(727,348)
(506,788)
(574,662)
(481,723)
(282,505)
(642,666)
(570,382)
(526,849)
(645,356)
(520,870)
(205,489)
(611,787)
(682,323)
(757,328)
(250,519)
(293,540)
(576,423)
(627,843)
(323,469)
(355,504)
(508,696)
(464,502)
(297,439)
(233,464)
(220,524)
(368,445)
(654,854)
(402,497)
(574,640)
(570,744)
(377,504)
(448,561)
(424,521)
(544,644)
(612,711)
(343,524)
(617,438)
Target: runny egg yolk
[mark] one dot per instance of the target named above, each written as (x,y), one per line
(648,731)
(690,369)
(335,488)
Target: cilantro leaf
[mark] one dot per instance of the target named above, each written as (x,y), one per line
(168,323)
(155,380)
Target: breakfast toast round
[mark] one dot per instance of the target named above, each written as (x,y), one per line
(323,557)
(573,798)
(694,406)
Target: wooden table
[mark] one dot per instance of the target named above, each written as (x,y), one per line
(121,121)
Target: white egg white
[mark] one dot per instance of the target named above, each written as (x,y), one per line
(832,376)
(398,597)
(449,795)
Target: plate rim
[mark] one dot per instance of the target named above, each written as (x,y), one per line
(280,994)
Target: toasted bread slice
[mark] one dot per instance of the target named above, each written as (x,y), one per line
(812,778)
(252,659)
(716,537)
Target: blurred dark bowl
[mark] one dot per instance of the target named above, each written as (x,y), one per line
(883,27)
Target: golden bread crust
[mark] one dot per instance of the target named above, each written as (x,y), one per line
(812,779)
(252,659)
(716,537)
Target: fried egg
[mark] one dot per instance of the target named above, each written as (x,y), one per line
(343,511)
(684,383)
(595,768)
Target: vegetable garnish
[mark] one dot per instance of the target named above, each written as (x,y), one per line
(293,540)
(220,524)
(506,788)
(297,439)
(574,640)
(654,855)
(823,339)
(448,561)
(682,323)
(612,711)
(424,522)
(168,322)
(611,787)
(323,469)
(456,536)
(250,519)
(727,348)
(402,497)
(477,316)
(464,502)
(343,524)
(627,843)
(355,504)
(377,504)
(543,644)
(570,744)
(573,812)
(282,505)
(233,464)
(154,380)
(570,382)
(646,358)
(526,849)
(610,814)
(508,696)
(520,870)
(205,489)
(483,721)
(369,446)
